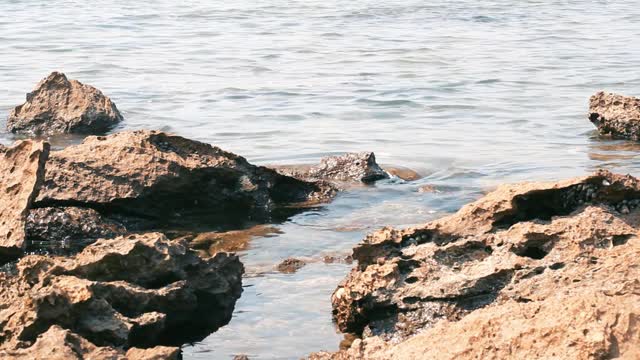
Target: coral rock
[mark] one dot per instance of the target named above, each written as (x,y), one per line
(615,115)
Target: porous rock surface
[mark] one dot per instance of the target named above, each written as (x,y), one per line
(59,105)
(535,270)
(350,167)
(158,175)
(615,115)
(138,291)
(70,224)
(21,174)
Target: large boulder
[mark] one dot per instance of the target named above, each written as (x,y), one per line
(615,115)
(59,105)
(152,174)
(134,291)
(21,175)
(535,270)
(350,167)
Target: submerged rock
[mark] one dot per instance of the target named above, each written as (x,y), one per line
(156,175)
(360,167)
(552,263)
(59,105)
(615,115)
(21,174)
(291,265)
(135,291)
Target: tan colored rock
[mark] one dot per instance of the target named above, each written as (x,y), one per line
(59,105)
(535,270)
(60,344)
(168,177)
(134,291)
(615,115)
(350,167)
(21,175)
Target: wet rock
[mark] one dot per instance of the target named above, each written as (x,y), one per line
(359,167)
(21,175)
(59,105)
(403,173)
(230,241)
(615,115)
(154,175)
(427,189)
(534,258)
(134,291)
(290,265)
(70,224)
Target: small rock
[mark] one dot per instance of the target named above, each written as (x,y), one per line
(358,167)
(58,105)
(615,115)
(290,265)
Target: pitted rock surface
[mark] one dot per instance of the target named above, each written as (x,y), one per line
(58,105)
(70,224)
(615,115)
(350,167)
(21,175)
(535,270)
(134,291)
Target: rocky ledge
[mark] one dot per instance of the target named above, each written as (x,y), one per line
(116,298)
(615,115)
(536,270)
(59,105)
(139,180)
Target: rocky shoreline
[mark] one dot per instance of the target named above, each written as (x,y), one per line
(139,276)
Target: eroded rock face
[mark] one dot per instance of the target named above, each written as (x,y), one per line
(134,291)
(529,271)
(615,115)
(60,344)
(21,175)
(359,167)
(156,175)
(59,105)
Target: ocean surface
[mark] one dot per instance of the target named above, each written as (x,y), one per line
(469,94)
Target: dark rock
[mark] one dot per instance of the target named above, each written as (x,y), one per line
(21,175)
(70,224)
(360,167)
(58,105)
(290,265)
(534,258)
(615,115)
(134,291)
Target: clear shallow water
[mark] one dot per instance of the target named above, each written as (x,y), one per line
(469,93)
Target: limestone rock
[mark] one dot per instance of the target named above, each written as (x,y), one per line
(134,291)
(534,270)
(21,175)
(59,105)
(615,115)
(152,174)
(359,167)
(291,265)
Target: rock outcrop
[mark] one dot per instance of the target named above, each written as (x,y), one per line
(350,167)
(536,270)
(59,105)
(166,179)
(135,291)
(21,174)
(615,115)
